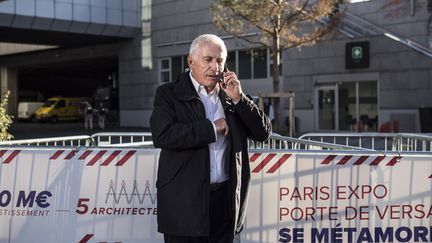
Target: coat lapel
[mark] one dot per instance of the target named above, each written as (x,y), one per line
(184,89)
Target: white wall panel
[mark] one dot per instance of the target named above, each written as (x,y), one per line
(45,9)
(25,7)
(81,12)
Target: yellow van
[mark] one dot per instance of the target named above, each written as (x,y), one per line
(61,109)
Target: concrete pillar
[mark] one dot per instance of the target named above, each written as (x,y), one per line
(9,81)
(137,76)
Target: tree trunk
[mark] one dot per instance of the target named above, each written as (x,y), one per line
(275,73)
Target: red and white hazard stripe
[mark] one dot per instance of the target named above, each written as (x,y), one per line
(361,160)
(8,155)
(91,157)
(273,161)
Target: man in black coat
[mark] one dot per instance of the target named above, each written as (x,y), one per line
(201,122)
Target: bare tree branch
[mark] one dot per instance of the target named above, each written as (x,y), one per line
(280,24)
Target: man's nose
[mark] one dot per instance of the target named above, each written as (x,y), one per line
(216,67)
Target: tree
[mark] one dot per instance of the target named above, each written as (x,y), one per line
(5,119)
(278,24)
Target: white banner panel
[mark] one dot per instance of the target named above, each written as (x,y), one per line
(89,195)
(108,195)
(330,197)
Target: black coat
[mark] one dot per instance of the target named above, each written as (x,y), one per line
(180,128)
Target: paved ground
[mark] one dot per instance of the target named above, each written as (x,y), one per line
(27,130)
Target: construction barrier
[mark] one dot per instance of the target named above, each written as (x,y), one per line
(339,197)
(85,195)
(108,195)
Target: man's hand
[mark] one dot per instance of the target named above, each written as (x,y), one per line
(231,86)
(221,126)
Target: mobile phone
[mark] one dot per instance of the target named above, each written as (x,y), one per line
(221,78)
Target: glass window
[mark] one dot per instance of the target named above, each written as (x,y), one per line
(358,106)
(260,63)
(176,67)
(165,76)
(247,64)
(347,106)
(165,70)
(172,67)
(165,64)
(326,115)
(61,104)
(368,105)
(231,61)
(245,69)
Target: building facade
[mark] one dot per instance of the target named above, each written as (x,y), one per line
(374,74)
(62,47)
(387,94)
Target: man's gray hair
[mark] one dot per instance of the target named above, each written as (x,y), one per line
(207,38)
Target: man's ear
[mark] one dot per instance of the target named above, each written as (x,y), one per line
(189,60)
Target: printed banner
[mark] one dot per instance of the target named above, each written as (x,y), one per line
(89,195)
(329,197)
(108,195)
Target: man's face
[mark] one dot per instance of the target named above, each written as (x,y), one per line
(207,65)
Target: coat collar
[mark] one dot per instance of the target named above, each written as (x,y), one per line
(184,90)
(183,87)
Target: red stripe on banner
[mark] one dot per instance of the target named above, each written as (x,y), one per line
(394,160)
(254,157)
(279,163)
(125,157)
(265,161)
(344,159)
(96,157)
(329,159)
(86,238)
(111,157)
(377,160)
(85,154)
(2,152)
(56,154)
(361,160)
(11,156)
(71,154)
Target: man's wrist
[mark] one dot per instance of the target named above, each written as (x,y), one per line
(238,100)
(215,130)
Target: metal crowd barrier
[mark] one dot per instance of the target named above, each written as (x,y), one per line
(402,142)
(278,142)
(111,139)
(144,139)
(122,139)
(73,141)
(376,141)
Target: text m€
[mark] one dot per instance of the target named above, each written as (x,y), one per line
(25,199)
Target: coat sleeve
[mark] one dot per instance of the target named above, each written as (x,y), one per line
(169,133)
(257,124)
